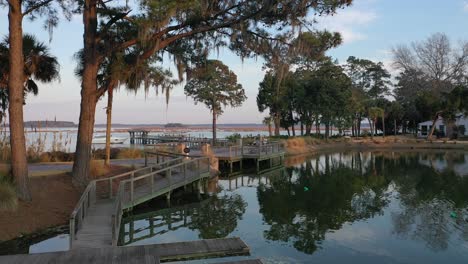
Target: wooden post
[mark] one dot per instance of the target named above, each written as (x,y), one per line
(146,159)
(72,231)
(258,165)
(230,167)
(131,187)
(185,174)
(152,181)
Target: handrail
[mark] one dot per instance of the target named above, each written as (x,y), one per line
(88,197)
(79,212)
(118,208)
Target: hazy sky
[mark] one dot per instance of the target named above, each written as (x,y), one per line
(370,29)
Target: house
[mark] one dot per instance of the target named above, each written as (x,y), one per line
(461,123)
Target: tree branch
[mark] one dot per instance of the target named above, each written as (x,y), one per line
(36,6)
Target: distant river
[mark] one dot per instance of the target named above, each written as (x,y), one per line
(64,138)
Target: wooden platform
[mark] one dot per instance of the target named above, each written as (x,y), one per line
(248,261)
(139,254)
(95,222)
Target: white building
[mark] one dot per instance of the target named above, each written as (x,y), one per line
(461,122)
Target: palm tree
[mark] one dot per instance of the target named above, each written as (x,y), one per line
(267,121)
(124,69)
(39,65)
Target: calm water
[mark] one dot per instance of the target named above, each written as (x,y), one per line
(64,139)
(338,208)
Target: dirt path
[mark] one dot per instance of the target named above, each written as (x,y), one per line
(40,169)
(54,198)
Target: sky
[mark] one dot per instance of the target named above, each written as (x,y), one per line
(370,28)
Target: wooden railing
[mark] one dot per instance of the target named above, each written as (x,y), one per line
(160,156)
(262,149)
(96,189)
(125,196)
(87,199)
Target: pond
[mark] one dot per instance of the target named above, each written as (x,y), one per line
(366,207)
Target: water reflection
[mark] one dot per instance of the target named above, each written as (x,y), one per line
(331,190)
(370,206)
(213,217)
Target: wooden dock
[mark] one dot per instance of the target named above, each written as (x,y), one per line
(138,254)
(247,261)
(234,159)
(95,221)
(143,137)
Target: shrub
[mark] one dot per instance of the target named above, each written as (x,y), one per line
(98,168)
(8,199)
(234,137)
(130,153)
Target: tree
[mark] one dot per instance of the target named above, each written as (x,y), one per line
(439,67)
(444,65)
(371,81)
(39,65)
(304,51)
(17,10)
(267,121)
(120,69)
(373,114)
(214,85)
(161,25)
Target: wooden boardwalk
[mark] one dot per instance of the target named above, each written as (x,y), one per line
(248,261)
(138,254)
(264,157)
(95,222)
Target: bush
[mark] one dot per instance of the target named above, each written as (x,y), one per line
(234,137)
(57,156)
(8,199)
(130,153)
(98,168)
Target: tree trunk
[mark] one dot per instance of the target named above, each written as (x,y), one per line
(383,125)
(287,129)
(270,132)
(302,128)
(19,163)
(276,120)
(81,165)
(110,96)
(214,127)
(293,130)
(371,129)
(308,129)
(359,125)
(394,126)
(433,125)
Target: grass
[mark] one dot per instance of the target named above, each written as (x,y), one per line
(98,168)
(8,199)
(130,153)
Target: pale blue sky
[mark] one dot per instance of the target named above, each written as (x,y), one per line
(370,29)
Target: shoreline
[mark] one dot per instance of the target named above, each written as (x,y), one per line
(296,150)
(301,146)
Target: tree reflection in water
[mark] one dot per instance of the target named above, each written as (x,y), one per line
(214,217)
(218,218)
(325,192)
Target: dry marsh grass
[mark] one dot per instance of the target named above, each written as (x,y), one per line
(98,168)
(8,199)
(130,153)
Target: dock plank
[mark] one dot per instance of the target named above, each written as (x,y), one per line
(138,254)
(248,261)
